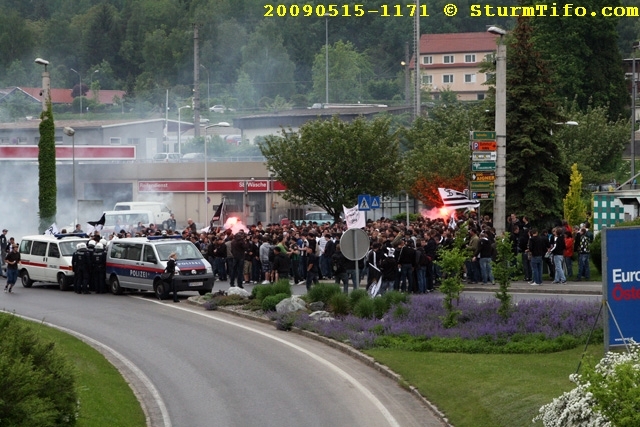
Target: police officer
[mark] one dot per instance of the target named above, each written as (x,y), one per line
(98,268)
(91,245)
(81,263)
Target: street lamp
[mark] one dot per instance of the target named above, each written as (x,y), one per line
(79,78)
(326,57)
(208,93)
(46,83)
(69,131)
(634,94)
(500,202)
(91,80)
(206,163)
(179,122)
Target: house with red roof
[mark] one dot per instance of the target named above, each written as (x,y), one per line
(452,62)
(58,96)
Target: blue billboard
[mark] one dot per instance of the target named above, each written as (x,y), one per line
(621,285)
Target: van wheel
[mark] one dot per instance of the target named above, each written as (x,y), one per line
(114,284)
(160,289)
(26,280)
(63,282)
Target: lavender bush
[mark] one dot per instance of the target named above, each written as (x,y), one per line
(533,326)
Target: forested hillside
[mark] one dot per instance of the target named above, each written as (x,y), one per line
(146,46)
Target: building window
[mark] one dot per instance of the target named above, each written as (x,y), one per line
(490,57)
(447,78)
(447,59)
(480,96)
(133,141)
(115,141)
(469,78)
(427,79)
(5,141)
(470,58)
(426,60)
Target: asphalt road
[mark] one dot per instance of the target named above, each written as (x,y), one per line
(200,368)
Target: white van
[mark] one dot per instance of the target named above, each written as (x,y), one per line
(114,221)
(138,262)
(46,258)
(161,213)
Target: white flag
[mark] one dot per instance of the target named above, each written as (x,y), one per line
(457,200)
(52,230)
(354,217)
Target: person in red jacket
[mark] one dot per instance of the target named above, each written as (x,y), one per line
(568,253)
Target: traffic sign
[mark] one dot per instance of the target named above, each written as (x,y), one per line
(482,186)
(483,195)
(364,202)
(484,146)
(375,202)
(483,166)
(483,176)
(484,155)
(354,244)
(483,135)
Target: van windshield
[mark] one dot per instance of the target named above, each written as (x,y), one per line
(184,250)
(68,247)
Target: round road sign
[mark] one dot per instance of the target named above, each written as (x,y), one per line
(354,244)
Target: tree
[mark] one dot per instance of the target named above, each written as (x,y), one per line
(583,55)
(47,190)
(329,162)
(438,150)
(595,143)
(537,175)
(575,210)
(267,63)
(349,72)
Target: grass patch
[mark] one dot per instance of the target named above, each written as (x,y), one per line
(106,400)
(487,390)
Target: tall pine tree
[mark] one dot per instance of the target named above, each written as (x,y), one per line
(537,176)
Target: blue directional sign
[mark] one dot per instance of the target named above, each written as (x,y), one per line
(375,202)
(620,286)
(364,202)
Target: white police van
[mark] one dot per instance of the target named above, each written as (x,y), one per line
(136,263)
(46,258)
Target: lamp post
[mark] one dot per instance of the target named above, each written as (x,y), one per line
(81,94)
(91,79)
(46,83)
(634,94)
(206,163)
(179,130)
(69,131)
(208,93)
(326,58)
(500,202)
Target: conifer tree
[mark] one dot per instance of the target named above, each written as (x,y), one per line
(575,210)
(47,170)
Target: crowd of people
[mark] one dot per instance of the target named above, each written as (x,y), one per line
(401,256)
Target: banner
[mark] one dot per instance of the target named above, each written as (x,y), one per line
(457,200)
(354,217)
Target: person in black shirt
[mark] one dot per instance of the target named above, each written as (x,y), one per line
(537,248)
(312,267)
(281,264)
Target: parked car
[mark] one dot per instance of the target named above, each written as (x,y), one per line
(218,109)
(193,157)
(167,157)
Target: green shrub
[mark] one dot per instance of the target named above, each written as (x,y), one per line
(395,297)
(37,382)
(338,303)
(364,308)
(356,295)
(270,302)
(225,300)
(260,292)
(323,292)
(380,307)
(281,287)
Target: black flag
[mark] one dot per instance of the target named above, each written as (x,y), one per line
(98,222)
(216,216)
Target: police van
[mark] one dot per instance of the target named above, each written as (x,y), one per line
(136,263)
(46,258)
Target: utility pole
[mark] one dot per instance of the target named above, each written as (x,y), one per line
(196,83)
